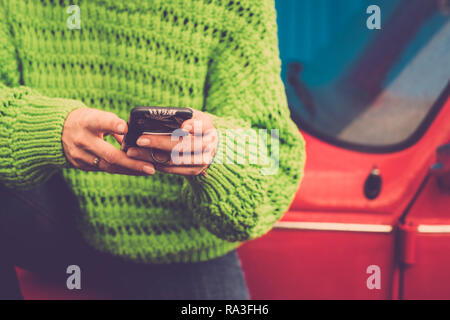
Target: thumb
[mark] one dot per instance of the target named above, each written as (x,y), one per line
(107,122)
(119,138)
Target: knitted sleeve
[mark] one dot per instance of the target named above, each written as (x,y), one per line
(240,200)
(30,123)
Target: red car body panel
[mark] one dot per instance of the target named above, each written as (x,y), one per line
(428,277)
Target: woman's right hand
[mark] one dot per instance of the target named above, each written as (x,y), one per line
(83,143)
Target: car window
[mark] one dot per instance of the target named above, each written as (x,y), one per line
(361,86)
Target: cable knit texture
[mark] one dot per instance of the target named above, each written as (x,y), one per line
(217,56)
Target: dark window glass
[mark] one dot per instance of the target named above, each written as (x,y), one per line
(372,88)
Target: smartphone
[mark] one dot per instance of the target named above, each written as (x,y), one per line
(153,121)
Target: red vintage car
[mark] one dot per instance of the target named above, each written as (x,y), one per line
(324,246)
(371,219)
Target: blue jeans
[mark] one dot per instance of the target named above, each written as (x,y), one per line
(37,233)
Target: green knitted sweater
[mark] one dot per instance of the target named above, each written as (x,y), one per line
(217,56)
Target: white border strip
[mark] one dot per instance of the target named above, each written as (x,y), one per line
(437,228)
(328,226)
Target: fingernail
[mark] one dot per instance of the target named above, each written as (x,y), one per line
(148,170)
(121,128)
(143,142)
(132,153)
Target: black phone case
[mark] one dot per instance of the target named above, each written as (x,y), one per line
(153,120)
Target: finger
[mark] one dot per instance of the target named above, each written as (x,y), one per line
(84,160)
(118,137)
(182,171)
(115,169)
(81,165)
(195,159)
(197,125)
(87,163)
(115,158)
(171,143)
(108,122)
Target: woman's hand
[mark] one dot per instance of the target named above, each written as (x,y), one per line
(187,154)
(84,147)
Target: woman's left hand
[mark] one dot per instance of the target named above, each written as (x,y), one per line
(188,155)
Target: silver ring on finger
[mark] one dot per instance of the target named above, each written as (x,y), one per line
(96,162)
(158,161)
